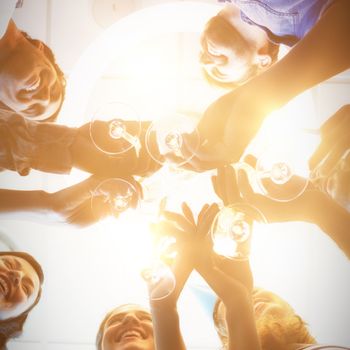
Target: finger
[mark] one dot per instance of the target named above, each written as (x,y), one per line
(199,166)
(244,184)
(215,180)
(206,221)
(79,192)
(221,185)
(84,214)
(188,213)
(180,220)
(193,163)
(319,155)
(335,127)
(250,160)
(201,214)
(203,158)
(335,154)
(335,120)
(232,191)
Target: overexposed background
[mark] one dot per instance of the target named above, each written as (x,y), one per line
(152,64)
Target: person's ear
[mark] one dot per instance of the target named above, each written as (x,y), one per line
(264,61)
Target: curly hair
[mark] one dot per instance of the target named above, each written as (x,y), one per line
(12,327)
(275,333)
(60,75)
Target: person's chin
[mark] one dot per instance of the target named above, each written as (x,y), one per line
(224,78)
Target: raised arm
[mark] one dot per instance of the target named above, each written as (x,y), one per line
(230,123)
(166,322)
(239,315)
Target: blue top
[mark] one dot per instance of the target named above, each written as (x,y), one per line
(284,21)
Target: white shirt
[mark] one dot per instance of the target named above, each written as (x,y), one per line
(7,7)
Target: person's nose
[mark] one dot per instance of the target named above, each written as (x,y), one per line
(47,81)
(44,94)
(131,319)
(205,59)
(15,277)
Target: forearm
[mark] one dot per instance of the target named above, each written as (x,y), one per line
(334,220)
(166,327)
(322,53)
(24,204)
(242,330)
(239,310)
(166,323)
(222,284)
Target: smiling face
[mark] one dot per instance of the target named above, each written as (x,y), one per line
(29,82)
(225,55)
(19,286)
(129,327)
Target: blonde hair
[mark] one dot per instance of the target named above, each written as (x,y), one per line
(275,333)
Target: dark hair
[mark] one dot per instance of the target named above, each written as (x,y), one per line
(12,327)
(60,75)
(100,331)
(220,28)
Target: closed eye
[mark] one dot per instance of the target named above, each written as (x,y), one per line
(114,320)
(26,290)
(8,264)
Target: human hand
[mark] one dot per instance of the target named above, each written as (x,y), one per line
(300,208)
(335,143)
(225,185)
(88,157)
(191,236)
(330,163)
(73,205)
(227,126)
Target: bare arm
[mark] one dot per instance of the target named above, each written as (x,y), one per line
(71,205)
(166,323)
(13,202)
(334,220)
(165,317)
(242,333)
(321,54)
(312,206)
(229,123)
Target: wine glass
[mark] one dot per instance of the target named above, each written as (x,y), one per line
(115,128)
(278,173)
(158,275)
(114,196)
(172,133)
(231,230)
(281,176)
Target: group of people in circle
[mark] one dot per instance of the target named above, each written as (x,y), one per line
(239,50)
